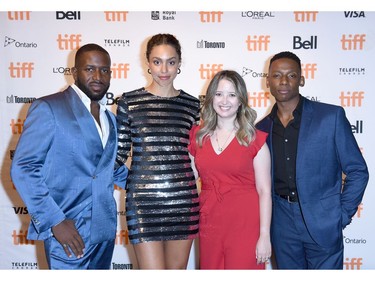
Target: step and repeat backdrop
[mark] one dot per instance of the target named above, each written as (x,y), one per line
(337,50)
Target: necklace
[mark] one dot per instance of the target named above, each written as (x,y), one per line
(221,148)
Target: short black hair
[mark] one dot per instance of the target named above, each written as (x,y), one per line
(89,48)
(286,55)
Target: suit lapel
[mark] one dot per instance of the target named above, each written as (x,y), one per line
(86,124)
(110,147)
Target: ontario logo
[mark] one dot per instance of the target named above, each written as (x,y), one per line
(249,72)
(13,42)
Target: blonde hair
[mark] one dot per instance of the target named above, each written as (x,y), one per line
(245,117)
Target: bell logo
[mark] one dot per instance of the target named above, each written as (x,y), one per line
(353,263)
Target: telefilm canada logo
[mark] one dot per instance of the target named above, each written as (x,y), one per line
(9,42)
(352,71)
(116,42)
(24,265)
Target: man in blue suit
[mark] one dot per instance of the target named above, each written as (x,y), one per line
(312,147)
(63,168)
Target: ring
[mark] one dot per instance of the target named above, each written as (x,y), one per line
(65,245)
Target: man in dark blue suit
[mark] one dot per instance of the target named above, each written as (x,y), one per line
(312,147)
(63,168)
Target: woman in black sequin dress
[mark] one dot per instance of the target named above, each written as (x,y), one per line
(162,208)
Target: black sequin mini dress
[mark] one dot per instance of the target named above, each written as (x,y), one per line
(161,193)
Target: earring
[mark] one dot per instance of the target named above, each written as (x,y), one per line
(178,71)
(149,71)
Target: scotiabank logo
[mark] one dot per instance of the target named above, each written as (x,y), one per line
(352,99)
(21,69)
(19,15)
(209,70)
(257,42)
(115,16)
(354,42)
(305,16)
(210,17)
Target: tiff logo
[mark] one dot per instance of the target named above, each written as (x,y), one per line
(115,16)
(352,99)
(69,42)
(16,127)
(353,263)
(305,16)
(122,237)
(19,15)
(210,70)
(308,70)
(353,42)
(210,16)
(259,99)
(258,43)
(21,70)
(21,238)
(120,71)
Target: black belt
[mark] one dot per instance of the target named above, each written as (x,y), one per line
(291,199)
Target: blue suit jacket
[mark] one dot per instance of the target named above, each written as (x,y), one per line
(326,149)
(61,170)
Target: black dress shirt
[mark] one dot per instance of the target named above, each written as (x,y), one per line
(284,142)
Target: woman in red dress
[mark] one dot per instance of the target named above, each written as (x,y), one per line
(233,163)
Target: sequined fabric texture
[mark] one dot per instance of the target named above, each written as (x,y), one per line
(161,198)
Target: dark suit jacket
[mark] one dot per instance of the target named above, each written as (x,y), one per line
(60,168)
(326,149)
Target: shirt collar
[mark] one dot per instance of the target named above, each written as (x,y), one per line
(85,99)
